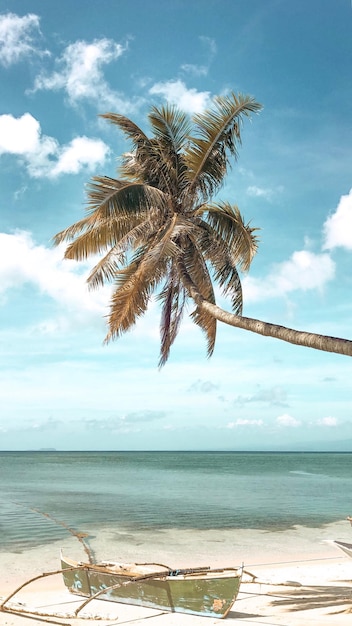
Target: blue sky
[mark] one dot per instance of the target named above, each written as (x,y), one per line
(61,64)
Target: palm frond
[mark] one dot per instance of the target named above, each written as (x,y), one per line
(173,297)
(95,241)
(199,274)
(171,127)
(101,191)
(108,197)
(73,231)
(215,251)
(134,286)
(128,127)
(115,211)
(150,249)
(226,275)
(218,133)
(207,323)
(105,270)
(129,303)
(138,165)
(108,267)
(238,238)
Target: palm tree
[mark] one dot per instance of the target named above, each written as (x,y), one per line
(158,231)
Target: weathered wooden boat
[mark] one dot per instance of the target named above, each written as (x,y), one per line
(345,547)
(199,591)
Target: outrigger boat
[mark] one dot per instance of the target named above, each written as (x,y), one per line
(345,547)
(199,591)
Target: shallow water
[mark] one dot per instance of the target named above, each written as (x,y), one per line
(153,492)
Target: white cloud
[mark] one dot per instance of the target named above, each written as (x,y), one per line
(196,70)
(19,135)
(338,227)
(188,100)
(17,37)
(203,386)
(264,192)
(303,271)
(274,396)
(287,420)
(244,422)
(328,421)
(210,45)
(80,74)
(23,262)
(43,156)
(126,423)
(80,152)
(202,70)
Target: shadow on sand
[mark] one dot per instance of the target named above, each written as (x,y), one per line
(306,598)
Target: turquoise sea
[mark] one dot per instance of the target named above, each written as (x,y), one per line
(137,491)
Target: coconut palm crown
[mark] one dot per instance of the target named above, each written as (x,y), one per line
(159,231)
(156,225)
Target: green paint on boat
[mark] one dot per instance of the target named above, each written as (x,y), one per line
(200,591)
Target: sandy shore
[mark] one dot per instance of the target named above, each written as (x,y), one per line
(300,578)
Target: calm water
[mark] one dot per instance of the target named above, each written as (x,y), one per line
(144,490)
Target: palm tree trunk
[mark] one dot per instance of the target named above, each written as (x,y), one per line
(298,337)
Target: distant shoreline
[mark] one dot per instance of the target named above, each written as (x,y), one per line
(55,450)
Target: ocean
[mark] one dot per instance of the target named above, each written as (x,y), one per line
(155,492)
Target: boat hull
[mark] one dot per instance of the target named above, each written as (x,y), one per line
(210,594)
(345,547)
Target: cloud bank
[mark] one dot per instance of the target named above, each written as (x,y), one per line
(23,262)
(338,226)
(42,155)
(18,38)
(80,75)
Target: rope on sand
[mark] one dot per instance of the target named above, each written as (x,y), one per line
(81,536)
(24,611)
(326,558)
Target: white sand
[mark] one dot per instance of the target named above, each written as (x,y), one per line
(301,578)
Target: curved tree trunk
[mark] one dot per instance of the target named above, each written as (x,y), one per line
(298,337)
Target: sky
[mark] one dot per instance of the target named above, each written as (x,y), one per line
(64,63)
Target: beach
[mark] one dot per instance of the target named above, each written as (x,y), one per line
(294,577)
(275,513)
